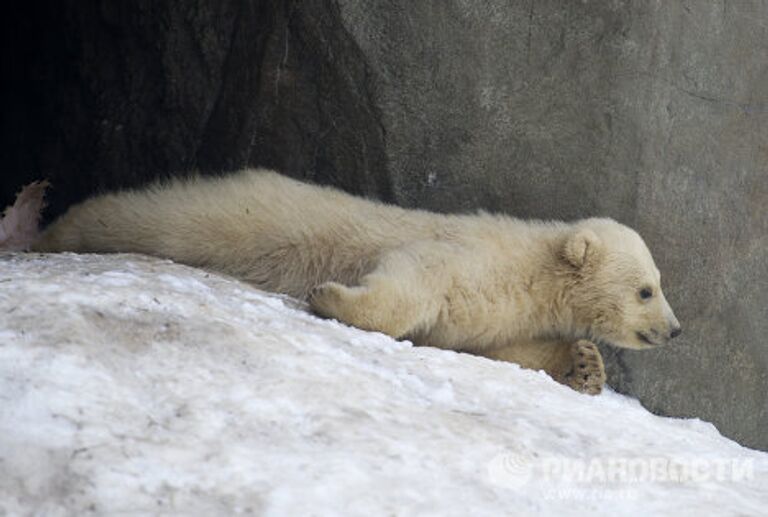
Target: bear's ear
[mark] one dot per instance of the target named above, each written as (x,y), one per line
(581,247)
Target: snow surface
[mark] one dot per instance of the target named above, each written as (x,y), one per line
(136,386)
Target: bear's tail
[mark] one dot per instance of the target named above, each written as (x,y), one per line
(20,223)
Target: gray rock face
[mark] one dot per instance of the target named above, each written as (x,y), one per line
(654,113)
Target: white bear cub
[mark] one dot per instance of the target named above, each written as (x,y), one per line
(537,293)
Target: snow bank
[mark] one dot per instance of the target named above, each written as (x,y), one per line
(134,385)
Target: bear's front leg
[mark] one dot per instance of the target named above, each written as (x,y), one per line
(379,308)
(578,365)
(586,373)
(397,298)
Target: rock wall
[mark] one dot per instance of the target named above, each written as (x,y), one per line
(654,113)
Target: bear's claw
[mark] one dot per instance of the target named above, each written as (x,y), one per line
(587,374)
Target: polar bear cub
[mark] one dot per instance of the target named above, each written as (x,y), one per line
(537,293)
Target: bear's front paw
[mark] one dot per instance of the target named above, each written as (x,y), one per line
(327,300)
(587,374)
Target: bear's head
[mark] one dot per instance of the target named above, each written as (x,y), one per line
(614,287)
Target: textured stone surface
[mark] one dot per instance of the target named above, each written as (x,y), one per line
(113,95)
(655,113)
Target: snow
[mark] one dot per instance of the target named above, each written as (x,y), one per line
(133,385)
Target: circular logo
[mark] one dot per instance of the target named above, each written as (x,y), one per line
(510,470)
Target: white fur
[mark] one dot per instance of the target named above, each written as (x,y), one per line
(481,283)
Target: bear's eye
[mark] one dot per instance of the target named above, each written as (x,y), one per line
(646,293)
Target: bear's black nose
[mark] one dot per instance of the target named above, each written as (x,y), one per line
(675,332)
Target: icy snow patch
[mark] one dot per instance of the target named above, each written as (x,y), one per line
(138,386)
